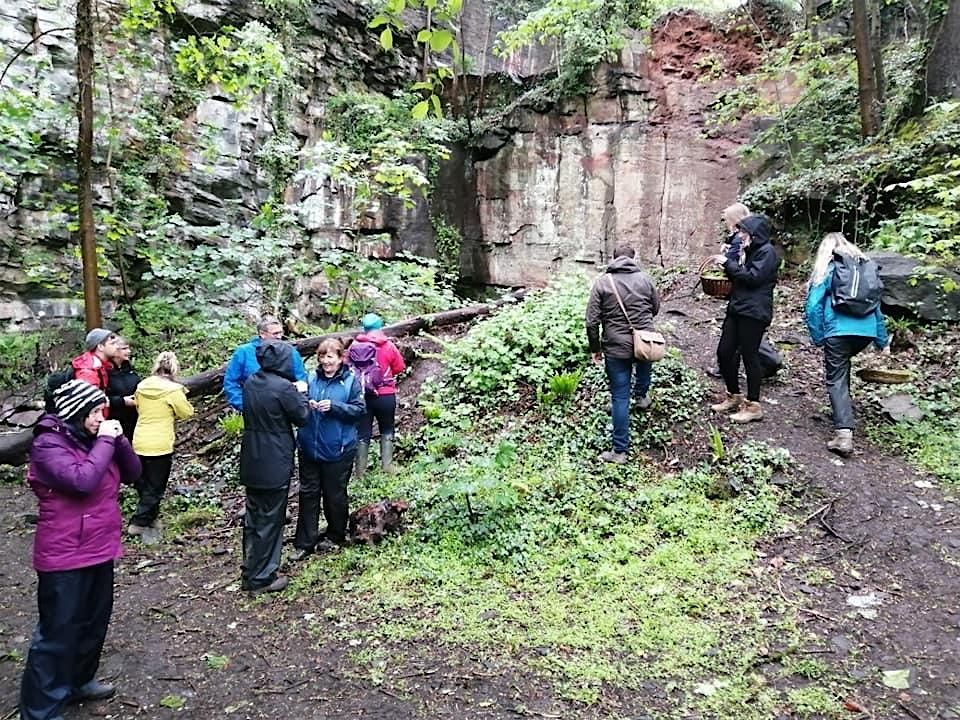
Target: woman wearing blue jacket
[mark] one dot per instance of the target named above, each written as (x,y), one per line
(840,335)
(328,445)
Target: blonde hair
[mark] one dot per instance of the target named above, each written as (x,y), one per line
(166,364)
(832,243)
(334,345)
(734,214)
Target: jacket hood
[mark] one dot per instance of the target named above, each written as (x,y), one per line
(276,356)
(623,264)
(55,423)
(155,387)
(758,228)
(47,423)
(372,336)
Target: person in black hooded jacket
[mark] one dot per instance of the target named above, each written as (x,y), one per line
(273,402)
(749,312)
(122,384)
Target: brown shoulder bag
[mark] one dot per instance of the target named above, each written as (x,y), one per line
(647,344)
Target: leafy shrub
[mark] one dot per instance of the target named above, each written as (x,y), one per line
(561,387)
(522,346)
(232,424)
(201,342)
(22,356)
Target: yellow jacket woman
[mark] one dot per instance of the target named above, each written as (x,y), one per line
(160,401)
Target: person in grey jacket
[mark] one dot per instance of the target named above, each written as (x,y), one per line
(273,401)
(610,336)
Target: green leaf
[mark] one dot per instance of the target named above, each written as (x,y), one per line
(440,40)
(377,21)
(437,110)
(420,110)
(424,35)
(897,679)
(218,662)
(386,39)
(454,6)
(174,702)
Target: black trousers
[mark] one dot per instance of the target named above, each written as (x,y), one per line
(741,334)
(326,482)
(384,409)
(263,536)
(152,486)
(837,352)
(74,608)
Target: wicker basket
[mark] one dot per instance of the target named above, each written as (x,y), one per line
(718,287)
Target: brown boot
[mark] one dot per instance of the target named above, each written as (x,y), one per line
(731,403)
(842,443)
(749,412)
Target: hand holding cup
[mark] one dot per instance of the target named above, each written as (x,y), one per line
(110,428)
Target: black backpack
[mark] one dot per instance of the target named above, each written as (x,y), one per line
(856,288)
(54,381)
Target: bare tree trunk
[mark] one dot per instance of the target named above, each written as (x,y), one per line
(866,72)
(425,67)
(809,18)
(943,64)
(88,242)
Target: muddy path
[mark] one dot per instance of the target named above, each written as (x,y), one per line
(886,536)
(872,525)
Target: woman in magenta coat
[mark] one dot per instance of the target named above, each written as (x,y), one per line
(77,462)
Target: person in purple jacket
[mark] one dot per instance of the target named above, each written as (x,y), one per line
(77,462)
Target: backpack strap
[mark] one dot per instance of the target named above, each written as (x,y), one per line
(619,301)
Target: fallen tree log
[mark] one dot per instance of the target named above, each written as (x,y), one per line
(14,446)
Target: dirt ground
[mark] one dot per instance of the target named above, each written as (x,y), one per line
(882,529)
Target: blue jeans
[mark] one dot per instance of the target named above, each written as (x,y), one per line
(619,374)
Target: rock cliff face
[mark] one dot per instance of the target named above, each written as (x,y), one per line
(629,164)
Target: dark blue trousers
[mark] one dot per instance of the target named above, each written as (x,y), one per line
(75,608)
(383,408)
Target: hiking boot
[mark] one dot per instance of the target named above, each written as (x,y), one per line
(842,443)
(642,403)
(714,372)
(301,555)
(731,403)
(609,456)
(749,412)
(94,690)
(327,545)
(360,462)
(136,530)
(276,586)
